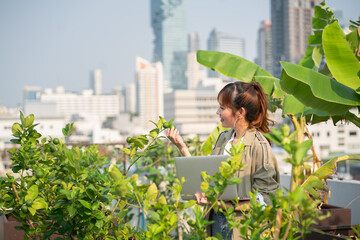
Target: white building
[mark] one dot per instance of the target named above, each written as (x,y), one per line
(149,86)
(194,42)
(48,126)
(130,98)
(60,103)
(327,138)
(194,110)
(195,72)
(96,81)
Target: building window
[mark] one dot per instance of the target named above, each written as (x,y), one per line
(324,147)
(328,134)
(352,133)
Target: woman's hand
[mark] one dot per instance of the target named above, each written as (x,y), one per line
(173,135)
(201,199)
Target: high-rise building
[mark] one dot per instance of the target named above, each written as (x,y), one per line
(225,42)
(150,93)
(96,81)
(264,58)
(195,72)
(291,25)
(194,42)
(130,98)
(168,20)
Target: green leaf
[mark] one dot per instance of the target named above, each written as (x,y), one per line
(16,168)
(301,152)
(292,106)
(85,204)
(121,188)
(32,210)
(204,185)
(269,84)
(162,200)
(173,220)
(32,193)
(126,151)
(231,65)
(211,140)
(72,209)
(189,204)
(285,130)
(318,23)
(323,13)
(312,57)
(151,193)
(353,40)
(316,38)
(154,133)
(235,181)
(115,173)
(16,128)
(99,223)
(40,203)
(22,118)
(339,57)
(316,90)
(29,120)
(155,216)
(99,215)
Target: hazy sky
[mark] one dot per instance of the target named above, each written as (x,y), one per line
(57,43)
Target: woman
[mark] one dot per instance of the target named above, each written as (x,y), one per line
(243,109)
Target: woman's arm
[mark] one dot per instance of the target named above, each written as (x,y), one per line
(174,136)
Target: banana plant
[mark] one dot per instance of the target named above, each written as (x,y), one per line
(307,92)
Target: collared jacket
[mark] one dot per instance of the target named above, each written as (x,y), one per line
(261,172)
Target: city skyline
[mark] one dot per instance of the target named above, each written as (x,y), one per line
(51,44)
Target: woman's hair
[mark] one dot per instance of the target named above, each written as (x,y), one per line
(252,98)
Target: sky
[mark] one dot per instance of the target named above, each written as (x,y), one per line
(57,43)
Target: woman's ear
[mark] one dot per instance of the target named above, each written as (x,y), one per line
(242,112)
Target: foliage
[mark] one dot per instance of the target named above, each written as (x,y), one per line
(72,193)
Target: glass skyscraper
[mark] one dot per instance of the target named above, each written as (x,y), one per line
(168,20)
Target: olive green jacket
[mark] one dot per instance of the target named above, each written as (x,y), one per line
(261,172)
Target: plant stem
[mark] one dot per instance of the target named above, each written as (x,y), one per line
(112,212)
(140,156)
(18,198)
(316,161)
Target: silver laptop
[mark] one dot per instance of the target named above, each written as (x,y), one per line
(191,167)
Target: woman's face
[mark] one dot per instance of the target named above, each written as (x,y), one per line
(226,115)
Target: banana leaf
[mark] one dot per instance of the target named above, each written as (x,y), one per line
(317,91)
(340,59)
(239,68)
(314,181)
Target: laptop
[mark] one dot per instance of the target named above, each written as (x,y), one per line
(191,167)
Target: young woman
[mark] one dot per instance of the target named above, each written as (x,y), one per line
(243,109)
